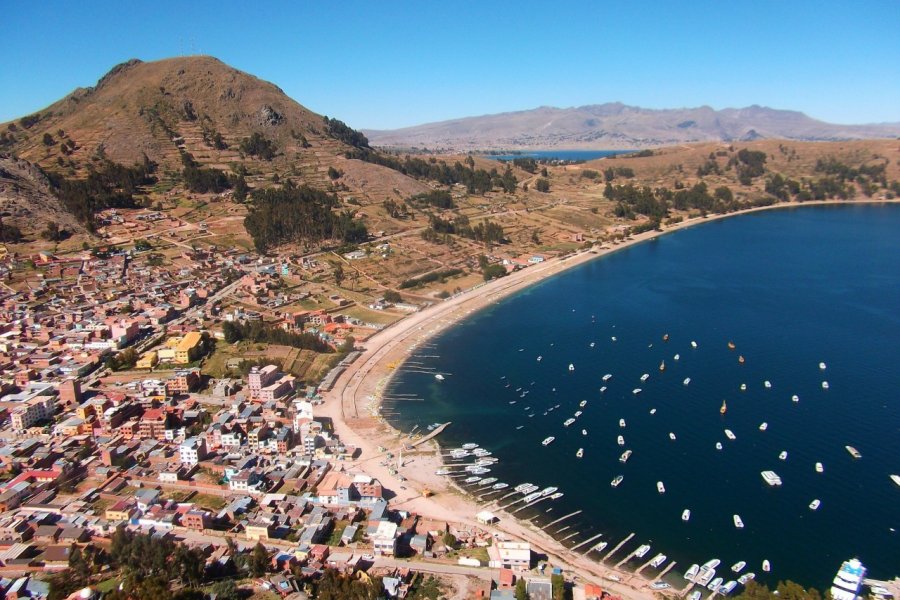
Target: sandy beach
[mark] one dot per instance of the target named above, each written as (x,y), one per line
(353,407)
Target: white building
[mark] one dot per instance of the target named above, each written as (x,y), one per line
(384,540)
(33,410)
(510,555)
(191,451)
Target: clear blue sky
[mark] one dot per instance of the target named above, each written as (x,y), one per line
(385,64)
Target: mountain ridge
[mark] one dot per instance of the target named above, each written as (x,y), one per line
(615,125)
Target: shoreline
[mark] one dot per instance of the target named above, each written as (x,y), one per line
(354,401)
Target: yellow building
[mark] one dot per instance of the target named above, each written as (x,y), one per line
(167,352)
(189,348)
(148,360)
(258,530)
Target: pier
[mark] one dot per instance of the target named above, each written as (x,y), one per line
(616,549)
(586,542)
(561,519)
(433,434)
(644,566)
(664,571)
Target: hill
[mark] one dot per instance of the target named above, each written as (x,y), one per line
(618,126)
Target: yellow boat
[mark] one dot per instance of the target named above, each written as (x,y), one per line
(741,359)
(724,408)
(731,346)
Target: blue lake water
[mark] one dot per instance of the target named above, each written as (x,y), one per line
(561,154)
(791,288)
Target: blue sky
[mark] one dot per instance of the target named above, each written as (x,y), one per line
(390,64)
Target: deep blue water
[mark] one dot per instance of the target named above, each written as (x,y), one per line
(561,154)
(791,288)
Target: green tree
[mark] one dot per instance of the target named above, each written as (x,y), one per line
(392,297)
(259,560)
(226,590)
(521,589)
(558,584)
(339,275)
(542,185)
(48,140)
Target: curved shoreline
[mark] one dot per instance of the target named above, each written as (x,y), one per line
(354,401)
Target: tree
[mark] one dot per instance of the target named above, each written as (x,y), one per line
(521,589)
(449,540)
(226,590)
(259,560)
(542,185)
(392,297)
(334,173)
(558,584)
(48,140)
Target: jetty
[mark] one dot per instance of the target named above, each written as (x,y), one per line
(616,549)
(437,430)
(664,571)
(586,542)
(561,519)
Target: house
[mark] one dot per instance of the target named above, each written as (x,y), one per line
(196,520)
(384,539)
(510,555)
(189,348)
(191,451)
(259,530)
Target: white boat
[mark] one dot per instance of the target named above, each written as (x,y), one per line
(658,560)
(730,434)
(568,422)
(438,376)
(531,497)
(738,522)
(583,403)
(602,389)
(783,455)
(824,385)
(481,452)
(636,391)
(822,366)
(743,579)
(642,550)
(718,445)
(613,338)
(580,453)
(676,357)
(853,452)
(767,383)
(607,377)
(820,468)
(687,380)
(660,585)
(692,572)
(548,441)
(671,436)
(556,496)
(524,486)
(645,376)
(488,480)
(795,398)
(652,411)
(738,566)
(660,487)
(771,477)
(766,566)
(895,479)
(743,387)
(548,490)
(693,344)
(584,432)
(442,472)
(479,471)
(620,440)
(571,367)
(695,595)
(500,486)
(599,547)
(539,358)
(625,456)
(714,584)
(727,588)
(707,572)
(592,344)
(577,414)
(473,479)
(686,515)
(848,581)
(763,426)
(621,422)
(815,504)
(469,446)
(616,481)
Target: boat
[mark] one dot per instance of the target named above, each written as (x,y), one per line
(815,504)
(853,452)
(592,344)
(686,515)
(616,481)
(743,579)
(660,487)
(658,560)
(771,477)
(665,337)
(895,479)
(659,585)
(602,389)
(642,550)
(582,404)
(620,440)
(621,422)
(442,472)
(707,572)
(613,338)
(671,436)
(531,497)
(795,398)
(556,496)
(848,581)
(766,566)
(625,456)
(687,380)
(577,414)
(718,445)
(821,469)
(481,452)
(580,453)
(645,376)
(488,480)
(738,522)
(743,387)
(824,385)
(730,435)
(479,471)
(438,376)
(539,358)
(741,359)
(763,426)
(607,377)
(676,357)
(584,432)
(738,566)
(571,367)
(662,366)
(652,411)
(695,595)
(548,490)
(568,422)
(731,345)
(522,487)
(767,383)
(822,366)
(500,486)
(469,446)
(727,588)
(636,391)
(548,441)
(714,584)
(724,408)
(783,455)
(692,572)
(693,344)
(473,479)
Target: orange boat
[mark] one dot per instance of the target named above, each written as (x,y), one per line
(724,408)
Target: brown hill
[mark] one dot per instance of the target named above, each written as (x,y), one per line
(27,200)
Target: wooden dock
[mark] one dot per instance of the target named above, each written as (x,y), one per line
(645,565)
(431,435)
(559,520)
(616,549)
(664,571)
(586,542)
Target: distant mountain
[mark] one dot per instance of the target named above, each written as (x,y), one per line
(616,125)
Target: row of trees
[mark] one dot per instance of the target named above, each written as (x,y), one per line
(292,214)
(259,146)
(259,332)
(487,232)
